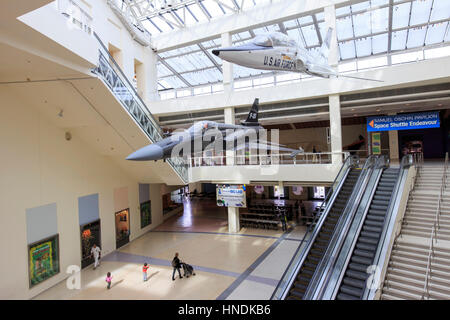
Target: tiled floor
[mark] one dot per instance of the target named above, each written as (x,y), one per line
(246,265)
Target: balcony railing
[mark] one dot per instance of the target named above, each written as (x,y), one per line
(124,91)
(269,159)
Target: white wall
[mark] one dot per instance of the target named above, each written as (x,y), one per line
(38,166)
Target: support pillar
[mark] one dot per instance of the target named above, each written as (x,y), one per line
(233,220)
(229,119)
(227,67)
(335,128)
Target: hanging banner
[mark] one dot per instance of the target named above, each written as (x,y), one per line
(376,143)
(409,121)
(231,195)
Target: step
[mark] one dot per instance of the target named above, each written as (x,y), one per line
(395,260)
(410,288)
(435,279)
(395,294)
(421,256)
(419,284)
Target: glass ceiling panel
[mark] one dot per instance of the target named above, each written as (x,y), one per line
(399,40)
(420,11)
(435,33)
(441,10)
(400,16)
(310,35)
(362,21)
(416,37)
(347,49)
(344,29)
(380,43)
(363,47)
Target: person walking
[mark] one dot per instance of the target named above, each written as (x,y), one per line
(96,251)
(176,264)
(108,280)
(144,270)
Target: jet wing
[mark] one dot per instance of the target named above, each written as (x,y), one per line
(326,74)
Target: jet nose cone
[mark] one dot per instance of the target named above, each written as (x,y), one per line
(216,52)
(150,152)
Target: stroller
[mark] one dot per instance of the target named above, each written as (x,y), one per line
(188,269)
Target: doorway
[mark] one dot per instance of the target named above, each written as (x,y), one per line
(122,228)
(90,235)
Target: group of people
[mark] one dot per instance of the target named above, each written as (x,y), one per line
(177,264)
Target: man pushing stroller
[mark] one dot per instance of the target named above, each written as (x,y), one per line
(177,264)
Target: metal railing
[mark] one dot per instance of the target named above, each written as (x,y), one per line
(268,159)
(435,228)
(312,231)
(110,72)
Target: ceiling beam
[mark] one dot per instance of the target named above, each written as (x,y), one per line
(208,55)
(254,18)
(179,76)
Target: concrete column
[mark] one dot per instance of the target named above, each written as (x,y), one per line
(229,119)
(227,67)
(233,220)
(335,128)
(393,144)
(330,22)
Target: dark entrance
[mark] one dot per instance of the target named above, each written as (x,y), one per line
(122,227)
(90,235)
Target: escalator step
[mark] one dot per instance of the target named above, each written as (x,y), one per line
(344,296)
(351,290)
(364,253)
(357,275)
(377,212)
(365,246)
(354,282)
(357,267)
(367,240)
(361,260)
(371,217)
(370,234)
(372,229)
(374,223)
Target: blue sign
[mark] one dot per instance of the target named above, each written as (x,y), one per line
(409,121)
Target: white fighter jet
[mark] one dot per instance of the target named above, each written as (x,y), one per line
(276,51)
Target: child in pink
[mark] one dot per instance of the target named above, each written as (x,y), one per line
(108,280)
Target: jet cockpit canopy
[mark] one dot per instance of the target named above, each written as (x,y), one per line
(274,39)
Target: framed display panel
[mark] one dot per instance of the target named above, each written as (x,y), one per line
(89,234)
(146,213)
(43,259)
(122,218)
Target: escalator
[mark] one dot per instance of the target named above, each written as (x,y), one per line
(323,238)
(353,283)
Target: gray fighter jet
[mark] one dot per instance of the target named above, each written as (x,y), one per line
(212,135)
(276,51)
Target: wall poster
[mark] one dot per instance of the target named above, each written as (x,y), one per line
(43,259)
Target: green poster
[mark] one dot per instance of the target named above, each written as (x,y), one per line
(146,213)
(43,260)
(376,143)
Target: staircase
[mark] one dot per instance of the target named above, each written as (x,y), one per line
(408,265)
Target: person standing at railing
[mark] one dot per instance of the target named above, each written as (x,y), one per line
(314,154)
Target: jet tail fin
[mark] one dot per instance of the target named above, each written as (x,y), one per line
(252,118)
(325,48)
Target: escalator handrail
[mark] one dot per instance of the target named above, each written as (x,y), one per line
(404,164)
(293,265)
(345,219)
